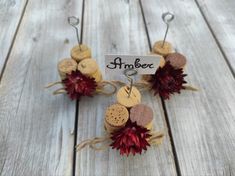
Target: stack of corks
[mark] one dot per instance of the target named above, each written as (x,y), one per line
(177,60)
(117,115)
(81,60)
(128,107)
(167,53)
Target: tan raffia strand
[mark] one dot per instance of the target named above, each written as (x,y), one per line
(156,138)
(59,91)
(99,90)
(144,85)
(141,85)
(120,83)
(53,84)
(92,143)
(105,83)
(188,87)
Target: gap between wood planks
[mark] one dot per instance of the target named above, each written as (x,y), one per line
(215,38)
(13,41)
(77,102)
(163,102)
(75,138)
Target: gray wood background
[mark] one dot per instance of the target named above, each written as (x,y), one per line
(38,131)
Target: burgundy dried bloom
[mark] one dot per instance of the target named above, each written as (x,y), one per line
(130,139)
(76,84)
(167,80)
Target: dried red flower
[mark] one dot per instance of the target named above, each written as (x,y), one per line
(167,80)
(76,84)
(130,139)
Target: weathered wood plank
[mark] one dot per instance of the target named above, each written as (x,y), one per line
(10,15)
(117,27)
(36,128)
(202,122)
(220,16)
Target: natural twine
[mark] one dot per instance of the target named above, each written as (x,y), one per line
(102,84)
(92,143)
(141,85)
(99,90)
(144,85)
(156,138)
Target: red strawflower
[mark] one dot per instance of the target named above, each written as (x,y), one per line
(76,84)
(167,80)
(130,139)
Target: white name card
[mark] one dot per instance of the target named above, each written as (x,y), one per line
(117,64)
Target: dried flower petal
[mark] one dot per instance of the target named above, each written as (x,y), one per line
(167,80)
(130,139)
(76,84)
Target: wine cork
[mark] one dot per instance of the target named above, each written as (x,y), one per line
(162,62)
(162,50)
(110,129)
(98,76)
(116,117)
(90,68)
(123,99)
(80,52)
(177,60)
(66,66)
(142,115)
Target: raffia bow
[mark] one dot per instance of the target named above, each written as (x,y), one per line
(99,90)
(146,86)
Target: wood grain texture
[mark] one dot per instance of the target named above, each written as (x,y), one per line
(220,16)
(202,123)
(10,15)
(112,27)
(37,128)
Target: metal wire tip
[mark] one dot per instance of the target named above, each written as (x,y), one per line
(128,73)
(74,21)
(167,17)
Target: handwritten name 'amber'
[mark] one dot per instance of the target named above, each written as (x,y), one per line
(119,64)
